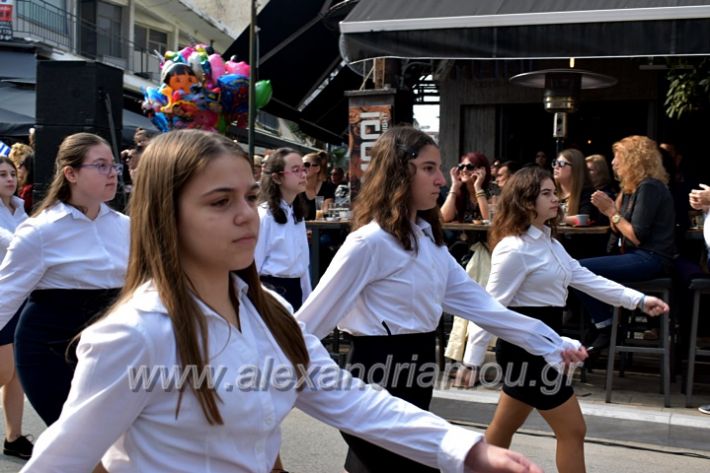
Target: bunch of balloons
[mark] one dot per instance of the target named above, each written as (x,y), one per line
(201,90)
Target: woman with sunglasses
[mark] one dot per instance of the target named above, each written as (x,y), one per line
(575,186)
(393,277)
(316,184)
(468,197)
(70,259)
(281,255)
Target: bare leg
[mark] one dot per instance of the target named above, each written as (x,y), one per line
(509,416)
(568,424)
(13,399)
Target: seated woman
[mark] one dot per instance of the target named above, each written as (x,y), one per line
(600,175)
(575,186)
(642,221)
(468,197)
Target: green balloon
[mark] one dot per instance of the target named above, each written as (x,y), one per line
(263,92)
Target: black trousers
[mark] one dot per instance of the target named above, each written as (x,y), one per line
(288,288)
(364,457)
(44,343)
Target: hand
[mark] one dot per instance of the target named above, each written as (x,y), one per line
(573,357)
(700,198)
(486,458)
(455,179)
(604,203)
(654,306)
(479,175)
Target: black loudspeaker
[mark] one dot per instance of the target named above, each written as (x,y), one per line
(72,93)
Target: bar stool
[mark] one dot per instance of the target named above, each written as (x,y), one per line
(699,287)
(660,287)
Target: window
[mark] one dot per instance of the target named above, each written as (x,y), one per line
(108,25)
(148,40)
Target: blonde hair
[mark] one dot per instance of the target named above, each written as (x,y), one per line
(19,152)
(580,178)
(638,158)
(168,164)
(601,167)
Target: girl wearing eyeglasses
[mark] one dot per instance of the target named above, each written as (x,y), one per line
(468,197)
(317,184)
(575,186)
(12,214)
(68,260)
(281,255)
(392,278)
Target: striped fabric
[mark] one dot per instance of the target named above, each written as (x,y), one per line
(4,149)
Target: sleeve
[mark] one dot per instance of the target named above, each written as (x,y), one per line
(645,211)
(262,242)
(306,285)
(335,397)
(21,270)
(102,395)
(599,287)
(352,268)
(5,238)
(508,271)
(467,299)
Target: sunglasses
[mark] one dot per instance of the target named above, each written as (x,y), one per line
(468,167)
(560,163)
(308,165)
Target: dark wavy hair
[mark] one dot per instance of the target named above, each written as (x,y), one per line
(386,192)
(270,190)
(516,205)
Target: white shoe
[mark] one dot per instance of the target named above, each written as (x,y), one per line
(705,409)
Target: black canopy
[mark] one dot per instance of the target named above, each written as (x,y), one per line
(298,52)
(516,29)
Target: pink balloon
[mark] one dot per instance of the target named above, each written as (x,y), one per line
(217,65)
(241,68)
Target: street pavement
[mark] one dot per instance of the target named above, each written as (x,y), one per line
(616,442)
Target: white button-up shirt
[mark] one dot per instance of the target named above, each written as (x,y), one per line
(282,249)
(9,220)
(61,248)
(138,430)
(373,279)
(534,270)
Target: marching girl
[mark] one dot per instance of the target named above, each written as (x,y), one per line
(530,273)
(70,259)
(393,277)
(281,254)
(12,213)
(193,299)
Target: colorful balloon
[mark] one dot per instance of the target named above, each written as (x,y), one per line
(263,92)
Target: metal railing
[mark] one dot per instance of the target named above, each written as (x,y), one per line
(62,29)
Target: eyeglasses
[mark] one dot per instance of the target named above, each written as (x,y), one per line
(309,165)
(468,167)
(560,163)
(104,168)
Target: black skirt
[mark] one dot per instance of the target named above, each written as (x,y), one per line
(375,359)
(528,378)
(288,288)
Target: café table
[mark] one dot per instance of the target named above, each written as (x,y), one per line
(315,226)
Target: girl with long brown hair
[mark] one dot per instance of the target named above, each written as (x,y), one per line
(12,213)
(186,372)
(530,273)
(70,259)
(393,277)
(281,255)
(575,186)
(467,199)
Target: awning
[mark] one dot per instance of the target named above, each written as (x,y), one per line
(298,51)
(17,113)
(525,29)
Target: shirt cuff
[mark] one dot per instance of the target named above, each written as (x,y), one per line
(632,297)
(455,445)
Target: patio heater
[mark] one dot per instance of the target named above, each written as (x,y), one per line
(562,87)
